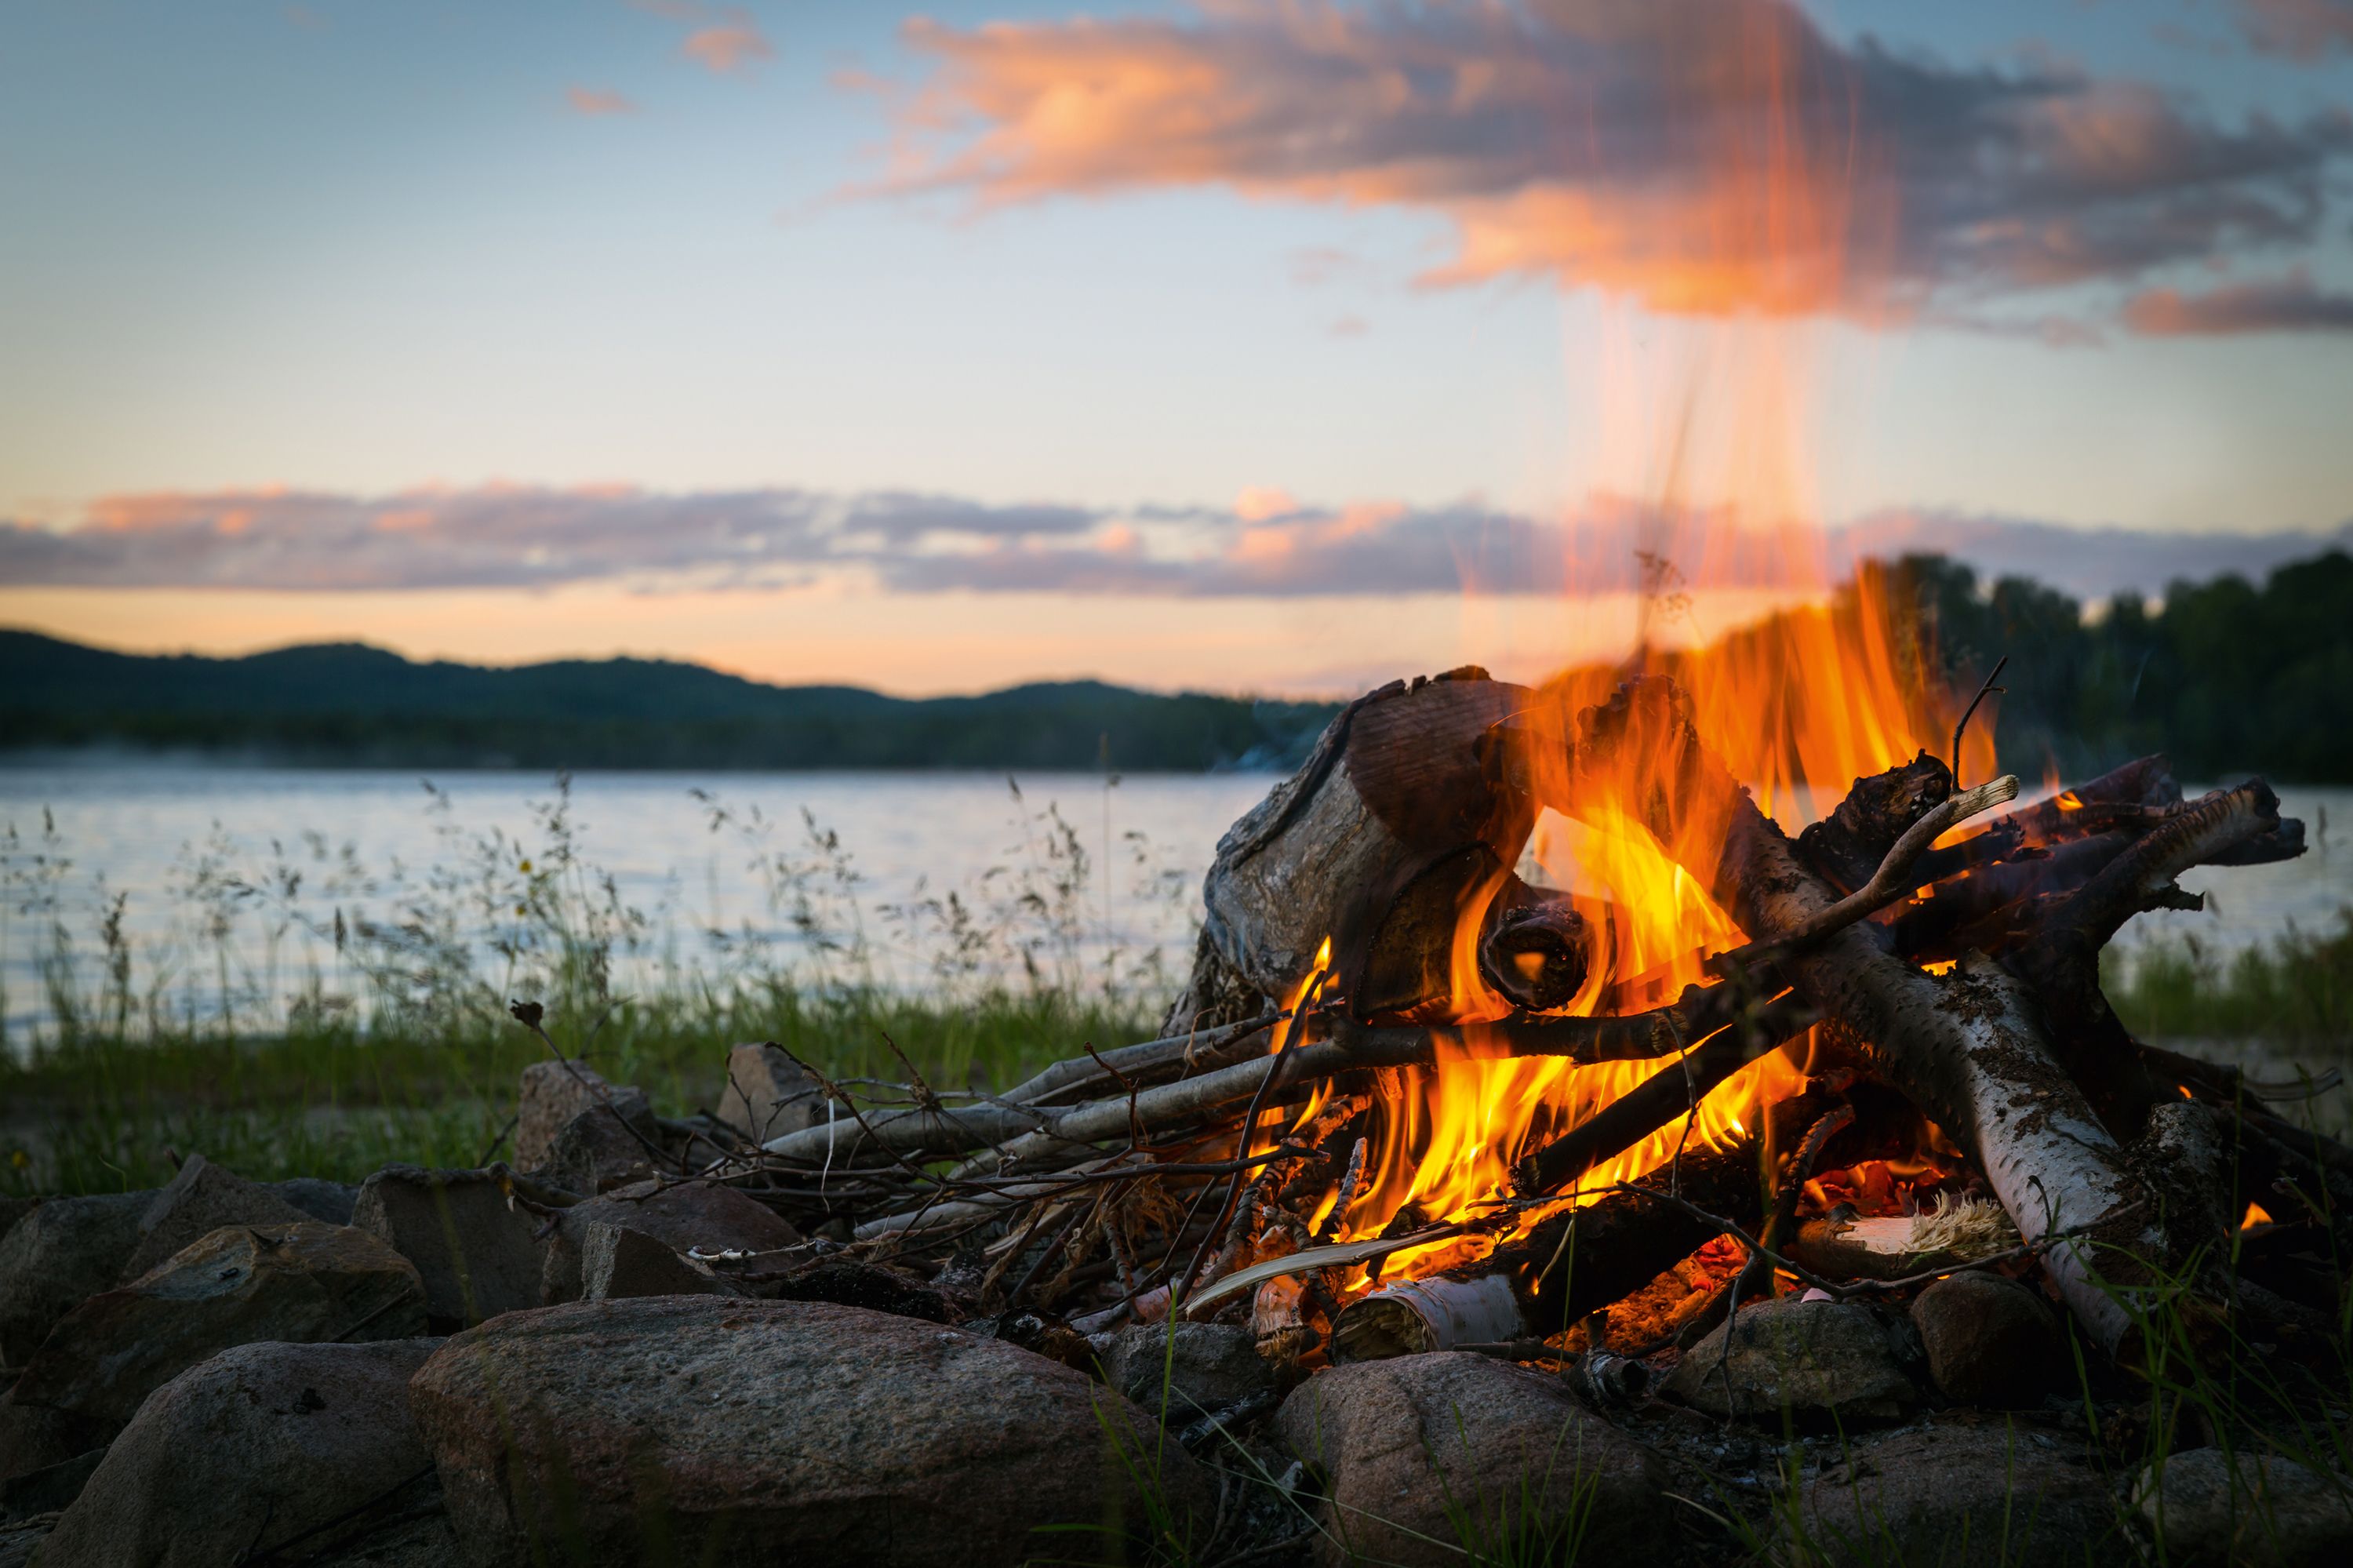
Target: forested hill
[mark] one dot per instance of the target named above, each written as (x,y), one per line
(2227,676)
(347,705)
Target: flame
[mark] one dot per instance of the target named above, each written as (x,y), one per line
(2256,1215)
(1709,417)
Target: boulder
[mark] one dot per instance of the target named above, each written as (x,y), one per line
(685,1215)
(1204,1367)
(2209,1507)
(553,1093)
(199,1201)
(1955,1495)
(687,1426)
(48,1489)
(413,1534)
(34,1438)
(1429,1458)
(18,1541)
(240,1286)
(1990,1342)
(616,1262)
(64,1251)
(768,1095)
(477,1253)
(594,1151)
(1822,1363)
(258,1448)
(328,1202)
(12,1209)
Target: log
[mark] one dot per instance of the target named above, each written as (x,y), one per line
(1382,839)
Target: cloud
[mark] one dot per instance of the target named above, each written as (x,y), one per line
(1696,155)
(597,101)
(2287,304)
(728,46)
(2302,30)
(1268,544)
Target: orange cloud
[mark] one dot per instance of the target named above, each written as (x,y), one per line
(1701,156)
(728,46)
(597,101)
(2287,304)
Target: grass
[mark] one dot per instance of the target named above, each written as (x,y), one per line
(2295,991)
(323,1017)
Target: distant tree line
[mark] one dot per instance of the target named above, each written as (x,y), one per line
(2225,676)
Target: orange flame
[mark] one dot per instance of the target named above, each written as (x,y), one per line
(1797,707)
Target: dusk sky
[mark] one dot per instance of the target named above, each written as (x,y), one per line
(1240,346)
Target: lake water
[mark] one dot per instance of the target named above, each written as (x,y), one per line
(185,848)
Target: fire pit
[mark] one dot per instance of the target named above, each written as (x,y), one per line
(1412,1098)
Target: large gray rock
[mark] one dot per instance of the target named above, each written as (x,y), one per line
(767,1096)
(258,1449)
(2206,1507)
(599,1430)
(328,1202)
(1429,1458)
(35,1438)
(1205,1368)
(1819,1362)
(553,1093)
(1955,1495)
(240,1286)
(477,1253)
(12,1209)
(64,1250)
(593,1153)
(199,1201)
(1990,1342)
(683,1216)
(617,1262)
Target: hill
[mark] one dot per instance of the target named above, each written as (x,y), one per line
(348,705)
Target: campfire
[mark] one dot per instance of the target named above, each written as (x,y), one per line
(1521,1020)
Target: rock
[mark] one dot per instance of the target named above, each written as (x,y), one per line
(1956,1494)
(255,1449)
(767,1094)
(1209,1367)
(1990,1342)
(616,1262)
(48,1489)
(1429,1456)
(413,1534)
(328,1202)
(593,1153)
(13,1209)
(688,1214)
(1823,1363)
(553,1093)
(19,1540)
(65,1250)
(240,1286)
(478,1256)
(199,1201)
(2209,1507)
(835,1434)
(34,1438)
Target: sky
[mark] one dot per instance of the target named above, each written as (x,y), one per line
(1273,346)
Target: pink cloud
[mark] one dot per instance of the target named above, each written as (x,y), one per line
(728,46)
(597,101)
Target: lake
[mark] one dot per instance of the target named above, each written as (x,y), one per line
(234,877)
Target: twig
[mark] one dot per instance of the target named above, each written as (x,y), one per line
(1972,708)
